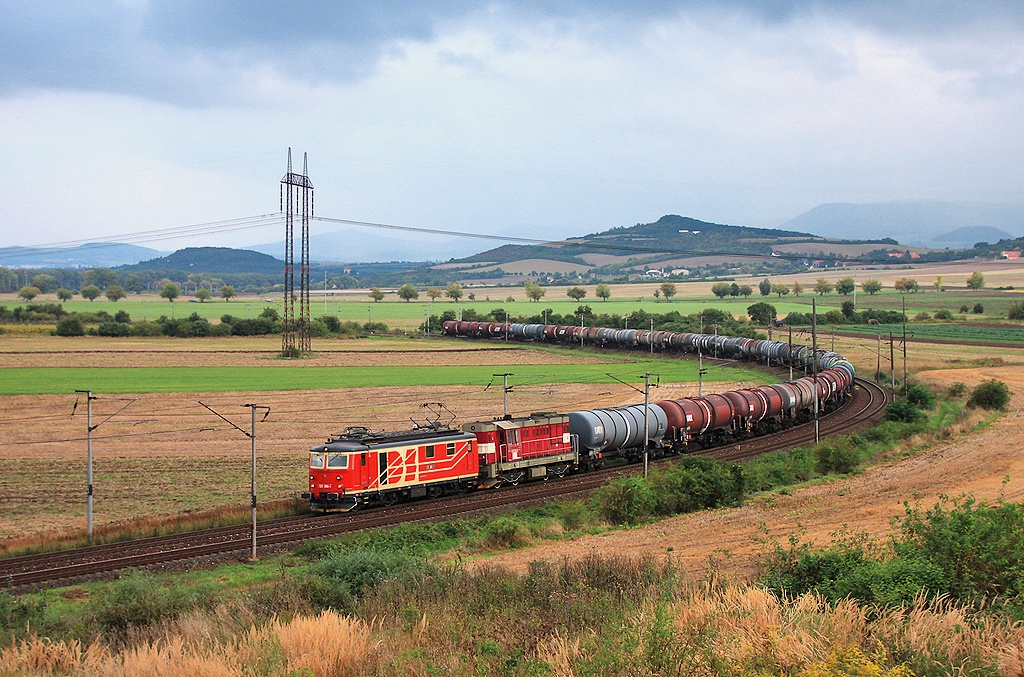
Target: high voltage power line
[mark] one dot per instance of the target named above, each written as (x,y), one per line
(266,220)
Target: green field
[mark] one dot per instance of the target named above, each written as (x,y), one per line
(57,380)
(965,332)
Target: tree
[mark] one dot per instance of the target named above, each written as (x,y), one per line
(133,282)
(822,286)
(797,288)
(746,290)
(170,291)
(65,294)
(576,293)
(765,287)
(668,289)
(990,394)
(761,312)
(453,291)
(780,289)
(203,294)
(115,292)
(434,293)
(28,292)
(534,291)
(101,277)
(848,310)
(905,284)
(845,286)
(92,292)
(871,286)
(602,291)
(227,292)
(376,294)
(976,280)
(938,283)
(44,283)
(720,289)
(734,289)
(408,292)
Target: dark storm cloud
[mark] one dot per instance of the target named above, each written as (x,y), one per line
(192,51)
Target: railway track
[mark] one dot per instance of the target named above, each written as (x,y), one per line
(18,574)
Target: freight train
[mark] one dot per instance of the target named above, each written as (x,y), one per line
(360,467)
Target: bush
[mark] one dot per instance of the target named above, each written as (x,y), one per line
(943,314)
(70,326)
(344,574)
(113,329)
(837,456)
(625,501)
(695,483)
(978,309)
(903,411)
(965,308)
(922,316)
(920,397)
(956,389)
(1016,311)
(990,394)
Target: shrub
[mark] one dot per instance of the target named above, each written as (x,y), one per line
(922,316)
(344,574)
(903,411)
(70,326)
(625,501)
(943,314)
(920,397)
(506,532)
(978,309)
(965,308)
(837,456)
(695,483)
(113,329)
(956,389)
(990,394)
(1016,311)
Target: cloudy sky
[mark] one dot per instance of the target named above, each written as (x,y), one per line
(540,119)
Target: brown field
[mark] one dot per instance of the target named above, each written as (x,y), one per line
(165,454)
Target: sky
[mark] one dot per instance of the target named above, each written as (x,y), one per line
(527,119)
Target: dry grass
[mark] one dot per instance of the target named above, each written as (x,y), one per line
(743,629)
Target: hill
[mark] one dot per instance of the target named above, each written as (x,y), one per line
(671,242)
(214,260)
(968,236)
(910,222)
(90,255)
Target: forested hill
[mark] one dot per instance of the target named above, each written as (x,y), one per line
(214,260)
(669,233)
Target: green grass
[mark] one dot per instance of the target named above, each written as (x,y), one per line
(288,376)
(965,332)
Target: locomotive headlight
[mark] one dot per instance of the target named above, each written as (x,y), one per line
(310,478)
(338,478)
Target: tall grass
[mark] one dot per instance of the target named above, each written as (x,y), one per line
(598,616)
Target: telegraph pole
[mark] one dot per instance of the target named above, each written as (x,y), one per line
(647,406)
(814,363)
(89,397)
(878,357)
(892,362)
(905,384)
(252,436)
(505,389)
(789,355)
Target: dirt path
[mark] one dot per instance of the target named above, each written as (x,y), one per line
(728,539)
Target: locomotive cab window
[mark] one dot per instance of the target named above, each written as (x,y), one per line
(430,451)
(362,458)
(316,461)
(337,461)
(450,449)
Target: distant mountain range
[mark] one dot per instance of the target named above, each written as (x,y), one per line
(92,255)
(923,223)
(361,245)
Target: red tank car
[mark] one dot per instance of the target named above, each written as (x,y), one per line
(531,447)
(360,467)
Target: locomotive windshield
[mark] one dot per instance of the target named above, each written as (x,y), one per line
(316,461)
(337,460)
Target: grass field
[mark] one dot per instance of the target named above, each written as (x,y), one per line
(283,376)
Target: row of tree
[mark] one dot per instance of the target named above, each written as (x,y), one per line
(115,292)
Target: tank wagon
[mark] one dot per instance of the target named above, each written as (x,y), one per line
(359,467)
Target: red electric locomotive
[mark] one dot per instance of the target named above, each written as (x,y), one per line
(359,467)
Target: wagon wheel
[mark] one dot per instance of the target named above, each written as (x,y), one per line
(389,498)
(433,492)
